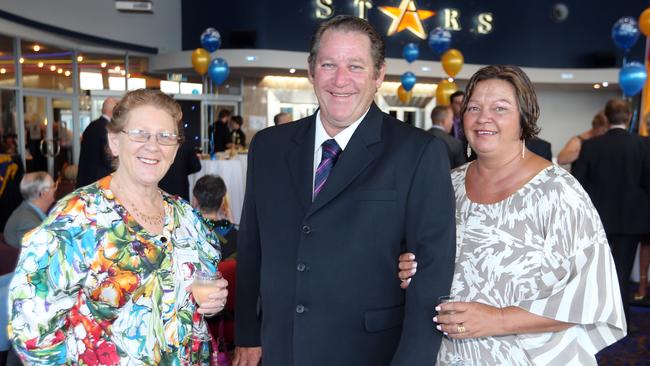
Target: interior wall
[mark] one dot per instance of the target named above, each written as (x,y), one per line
(566,113)
(160,29)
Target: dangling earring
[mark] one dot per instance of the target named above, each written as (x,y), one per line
(469,151)
(523,149)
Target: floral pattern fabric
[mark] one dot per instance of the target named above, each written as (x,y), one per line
(92,287)
(542,249)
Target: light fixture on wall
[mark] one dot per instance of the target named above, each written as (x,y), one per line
(80,58)
(596,86)
(52,68)
(22,60)
(41,64)
(36,48)
(103,64)
(605,84)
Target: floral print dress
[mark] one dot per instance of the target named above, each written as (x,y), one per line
(92,287)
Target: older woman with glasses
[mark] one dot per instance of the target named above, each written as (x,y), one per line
(107,278)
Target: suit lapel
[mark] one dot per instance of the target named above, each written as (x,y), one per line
(300,158)
(353,160)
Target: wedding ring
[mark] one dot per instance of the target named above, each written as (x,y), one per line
(460,328)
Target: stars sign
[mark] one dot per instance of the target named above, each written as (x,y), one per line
(406,16)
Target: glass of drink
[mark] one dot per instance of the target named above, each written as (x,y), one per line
(456,359)
(204,283)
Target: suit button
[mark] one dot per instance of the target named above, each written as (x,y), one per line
(300,309)
(301,267)
(306,229)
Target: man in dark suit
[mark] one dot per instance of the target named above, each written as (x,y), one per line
(94,162)
(442,119)
(219,132)
(540,147)
(613,169)
(331,201)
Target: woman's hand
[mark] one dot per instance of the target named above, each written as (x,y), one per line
(462,320)
(407,268)
(216,299)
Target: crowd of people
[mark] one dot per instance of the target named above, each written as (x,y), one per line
(532,261)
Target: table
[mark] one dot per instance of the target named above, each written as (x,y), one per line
(233,173)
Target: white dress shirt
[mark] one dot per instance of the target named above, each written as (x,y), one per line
(342,139)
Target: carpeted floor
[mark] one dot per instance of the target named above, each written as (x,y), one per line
(633,350)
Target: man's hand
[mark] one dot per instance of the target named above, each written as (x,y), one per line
(247,356)
(407,267)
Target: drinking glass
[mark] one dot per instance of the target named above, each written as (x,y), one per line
(204,283)
(456,359)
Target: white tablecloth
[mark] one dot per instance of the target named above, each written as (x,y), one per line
(233,173)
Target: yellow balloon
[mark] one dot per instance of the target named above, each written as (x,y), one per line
(445,89)
(452,62)
(644,22)
(403,95)
(200,60)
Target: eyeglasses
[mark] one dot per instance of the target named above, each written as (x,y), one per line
(163,138)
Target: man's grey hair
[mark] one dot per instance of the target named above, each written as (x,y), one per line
(33,184)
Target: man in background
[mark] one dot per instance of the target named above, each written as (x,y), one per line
(38,190)
(614,170)
(219,131)
(442,122)
(456,101)
(94,161)
(281,118)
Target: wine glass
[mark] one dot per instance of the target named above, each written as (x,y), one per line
(203,284)
(456,359)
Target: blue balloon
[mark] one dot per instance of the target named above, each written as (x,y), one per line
(211,39)
(218,70)
(411,52)
(625,33)
(439,40)
(408,80)
(632,77)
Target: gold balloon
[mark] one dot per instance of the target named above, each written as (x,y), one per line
(445,89)
(452,62)
(644,22)
(200,60)
(403,95)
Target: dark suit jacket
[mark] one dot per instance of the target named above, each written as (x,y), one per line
(220,135)
(94,161)
(613,169)
(455,148)
(22,219)
(541,148)
(326,270)
(185,163)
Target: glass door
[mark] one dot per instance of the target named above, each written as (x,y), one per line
(48,125)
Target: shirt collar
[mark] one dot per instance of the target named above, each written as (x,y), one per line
(438,127)
(622,127)
(342,138)
(40,213)
(106,117)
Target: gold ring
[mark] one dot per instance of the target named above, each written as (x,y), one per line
(460,328)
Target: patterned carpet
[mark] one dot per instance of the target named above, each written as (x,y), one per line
(633,350)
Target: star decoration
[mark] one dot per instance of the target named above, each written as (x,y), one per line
(406,16)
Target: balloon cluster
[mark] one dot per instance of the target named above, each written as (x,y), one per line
(452,61)
(625,33)
(405,90)
(217,69)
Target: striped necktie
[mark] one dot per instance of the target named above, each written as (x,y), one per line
(331,152)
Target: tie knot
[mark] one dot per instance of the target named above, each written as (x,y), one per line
(330,149)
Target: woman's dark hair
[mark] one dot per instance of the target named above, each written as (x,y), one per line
(524,92)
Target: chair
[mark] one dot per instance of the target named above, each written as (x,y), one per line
(228,269)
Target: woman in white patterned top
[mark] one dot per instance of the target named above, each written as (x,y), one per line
(534,273)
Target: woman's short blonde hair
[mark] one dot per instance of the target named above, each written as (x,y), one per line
(142,97)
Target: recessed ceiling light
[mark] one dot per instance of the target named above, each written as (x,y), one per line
(52,68)
(67,73)
(251,58)
(103,64)
(41,64)
(80,58)
(22,60)
(605,84)
(37,48)
(596,86)
(425,68)
(292,71)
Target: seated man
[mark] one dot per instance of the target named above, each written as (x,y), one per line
(38,190)
(208,194)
